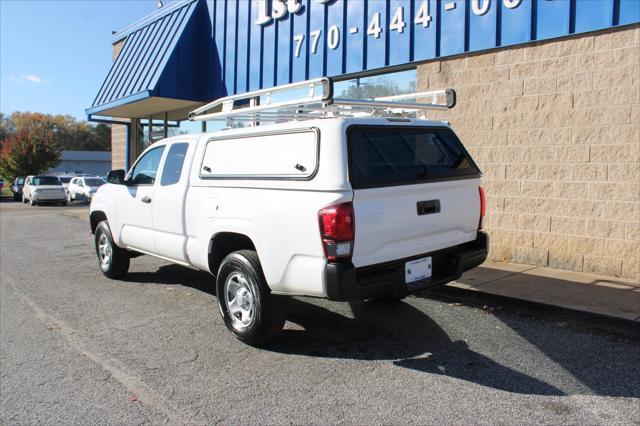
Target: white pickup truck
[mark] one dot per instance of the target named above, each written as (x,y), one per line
(341,208)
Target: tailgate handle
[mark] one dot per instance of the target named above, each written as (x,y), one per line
(428,207)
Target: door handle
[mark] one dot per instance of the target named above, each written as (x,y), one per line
(146,199)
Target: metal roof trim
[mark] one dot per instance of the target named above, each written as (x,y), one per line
(119,102)
(150,18)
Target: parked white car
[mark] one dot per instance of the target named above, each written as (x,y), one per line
(65,179)
(83,188)
(43,189)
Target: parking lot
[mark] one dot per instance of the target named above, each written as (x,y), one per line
(76,347)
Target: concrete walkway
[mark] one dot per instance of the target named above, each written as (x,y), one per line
(613,297)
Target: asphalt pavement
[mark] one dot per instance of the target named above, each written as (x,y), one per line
(76,347)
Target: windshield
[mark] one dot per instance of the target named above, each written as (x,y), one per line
(398,155)
(65,179)
(94,182)
(45,180)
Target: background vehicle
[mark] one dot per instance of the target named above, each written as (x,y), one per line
(16,188)
(65,179)
(346,208)
(83,188)
(43,189)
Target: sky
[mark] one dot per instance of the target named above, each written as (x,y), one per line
(55,54)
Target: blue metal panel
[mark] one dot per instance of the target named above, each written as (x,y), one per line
(629,12)
(515,24)
(482,25)
(425,25)
(334,39)
(593,15)
(255,50)
(219,28)
(300,47)
(316,35)
(230,49)
(400,34)
(453,27)
(376,29)
(552,18)
(243,46)
(355,36)
(283,58)
(269,55)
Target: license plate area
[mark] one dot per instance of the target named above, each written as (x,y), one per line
(418,270)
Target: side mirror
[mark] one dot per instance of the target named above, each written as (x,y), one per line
(116,176)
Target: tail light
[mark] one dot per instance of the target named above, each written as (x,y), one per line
(483,206)
(337,229)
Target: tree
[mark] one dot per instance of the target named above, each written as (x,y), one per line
(31,148)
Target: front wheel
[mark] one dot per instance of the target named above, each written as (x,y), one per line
(246,304)
(113,261)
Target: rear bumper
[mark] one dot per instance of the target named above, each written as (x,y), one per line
(345,282)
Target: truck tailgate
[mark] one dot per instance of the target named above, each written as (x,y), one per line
(403,221)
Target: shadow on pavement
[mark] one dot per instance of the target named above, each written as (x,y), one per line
(175,275)
(400,333)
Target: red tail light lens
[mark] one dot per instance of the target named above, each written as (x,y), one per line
(483,206)
(337,229)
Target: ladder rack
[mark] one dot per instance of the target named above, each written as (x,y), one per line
(315,99)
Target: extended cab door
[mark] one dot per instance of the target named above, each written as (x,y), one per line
(415,191)
(169,202)
(135,200)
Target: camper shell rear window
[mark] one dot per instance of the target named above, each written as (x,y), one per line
(404,155)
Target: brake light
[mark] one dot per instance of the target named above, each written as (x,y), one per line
(337,230)
(483,206)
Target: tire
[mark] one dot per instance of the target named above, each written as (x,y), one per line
(16,197)
(69,198)
(260,316)
(112,260)
(32,203)
(64,203)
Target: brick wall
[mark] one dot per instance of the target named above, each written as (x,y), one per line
(118,146)
(555,127)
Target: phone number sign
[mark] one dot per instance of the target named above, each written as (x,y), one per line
(262,43)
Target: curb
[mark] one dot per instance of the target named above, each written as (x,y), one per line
(586,319)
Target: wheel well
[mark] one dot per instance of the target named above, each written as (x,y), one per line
(95,218)
(224,243)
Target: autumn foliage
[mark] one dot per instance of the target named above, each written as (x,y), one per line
(32,143)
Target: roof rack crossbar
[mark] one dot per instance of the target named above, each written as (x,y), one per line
(315,99)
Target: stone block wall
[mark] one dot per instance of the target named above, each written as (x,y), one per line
(118,146)
(555,126)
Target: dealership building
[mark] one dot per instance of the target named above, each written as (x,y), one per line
(548,97)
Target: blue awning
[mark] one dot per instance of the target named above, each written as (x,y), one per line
(164,64)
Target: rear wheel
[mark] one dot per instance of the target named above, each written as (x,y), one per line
(246,304)
(113,260)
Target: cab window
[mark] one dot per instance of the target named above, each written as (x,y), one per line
(173,164)
(146,169)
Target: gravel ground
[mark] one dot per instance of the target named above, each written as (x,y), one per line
(76,347)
